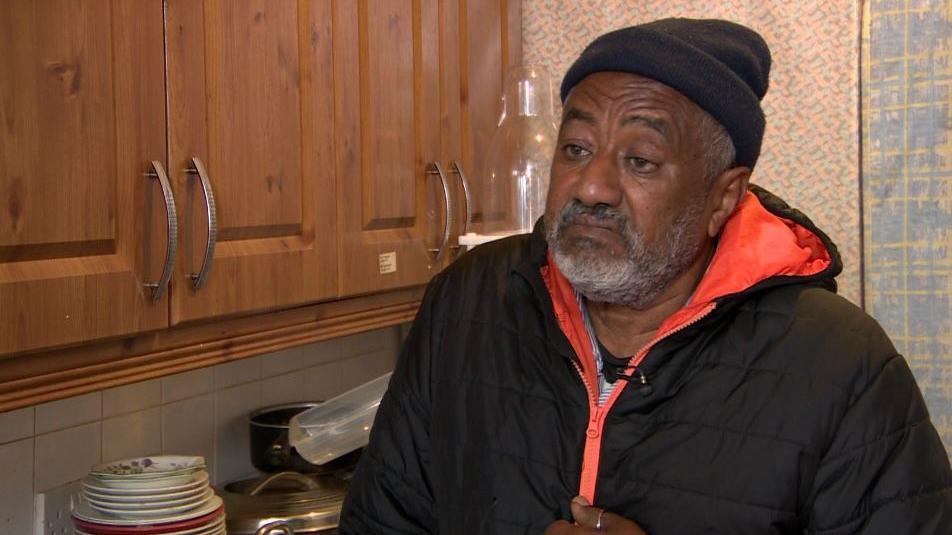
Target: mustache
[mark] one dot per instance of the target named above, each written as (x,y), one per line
(600,212)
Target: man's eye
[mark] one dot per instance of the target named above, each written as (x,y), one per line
(574,151)
(641,165)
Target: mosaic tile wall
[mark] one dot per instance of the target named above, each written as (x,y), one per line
(907,175)
(811,148)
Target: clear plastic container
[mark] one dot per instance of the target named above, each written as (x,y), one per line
(339,425)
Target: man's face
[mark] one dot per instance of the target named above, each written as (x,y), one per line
(626,211)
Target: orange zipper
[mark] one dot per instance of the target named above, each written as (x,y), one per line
(597,413)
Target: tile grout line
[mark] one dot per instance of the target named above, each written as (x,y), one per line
(33,489)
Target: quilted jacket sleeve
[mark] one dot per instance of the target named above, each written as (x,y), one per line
(391,491)
(886,471)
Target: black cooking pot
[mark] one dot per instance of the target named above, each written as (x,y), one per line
(270,450)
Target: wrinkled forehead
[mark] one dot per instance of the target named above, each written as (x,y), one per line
(625,98)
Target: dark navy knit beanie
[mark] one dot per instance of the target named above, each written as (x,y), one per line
(721,66)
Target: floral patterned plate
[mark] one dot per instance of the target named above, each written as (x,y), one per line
(147,487)
(148,467)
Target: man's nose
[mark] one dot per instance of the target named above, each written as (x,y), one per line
(600,182)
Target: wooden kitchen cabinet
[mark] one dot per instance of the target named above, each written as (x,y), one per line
(82,115)
(388,94)
(388,71)
(84,93)
(316,123)
(490,42)
(251,96)
(418,87)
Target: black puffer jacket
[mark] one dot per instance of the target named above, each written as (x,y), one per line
(782,408)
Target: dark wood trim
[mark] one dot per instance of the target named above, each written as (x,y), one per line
(39,377)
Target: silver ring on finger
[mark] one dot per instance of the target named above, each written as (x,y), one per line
(598,521)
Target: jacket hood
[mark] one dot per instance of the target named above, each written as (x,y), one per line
(766,241)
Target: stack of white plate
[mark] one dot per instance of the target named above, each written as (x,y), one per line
(158,495)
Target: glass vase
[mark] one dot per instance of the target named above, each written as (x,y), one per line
(516,172)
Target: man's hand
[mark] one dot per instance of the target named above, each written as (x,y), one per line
(589,519)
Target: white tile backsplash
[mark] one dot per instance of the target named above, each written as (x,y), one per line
(232,451)
(66,455)
(188,384)
(131,398)
(201,412)
(132,435)
(358,370)
(188,428)
(322,352)
(284,361)
(286,388)
(361,344)
(16,425)
(16,487)
(323,382)
(68,412)
(298,358)
(237,372)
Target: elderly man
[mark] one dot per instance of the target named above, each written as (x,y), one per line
(665,353)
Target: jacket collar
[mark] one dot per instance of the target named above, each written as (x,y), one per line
(764,243)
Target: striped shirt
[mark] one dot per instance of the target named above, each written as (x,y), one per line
(604,387)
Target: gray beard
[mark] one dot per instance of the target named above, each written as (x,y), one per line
(635,279)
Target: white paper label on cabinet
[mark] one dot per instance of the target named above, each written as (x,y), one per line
(387,262)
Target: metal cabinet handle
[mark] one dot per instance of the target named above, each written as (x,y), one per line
(198,168)
(437,169)
(158,288)
(457,169)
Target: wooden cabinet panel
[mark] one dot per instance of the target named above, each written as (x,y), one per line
(253,118)
(490,42)
(82,113)
(251,95)
(389,103)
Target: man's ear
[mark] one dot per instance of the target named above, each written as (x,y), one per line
(727,190)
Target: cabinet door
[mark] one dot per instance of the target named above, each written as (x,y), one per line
(490,33)
(389,99)
(82,114)
(251,96)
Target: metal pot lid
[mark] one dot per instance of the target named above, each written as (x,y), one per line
(307,504)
